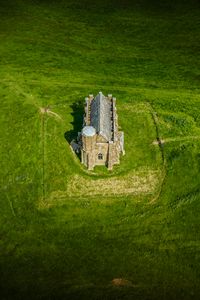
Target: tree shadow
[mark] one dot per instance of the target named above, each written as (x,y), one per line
(77,114)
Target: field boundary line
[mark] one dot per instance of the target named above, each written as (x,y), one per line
(11,206)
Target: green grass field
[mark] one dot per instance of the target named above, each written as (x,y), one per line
(65,232)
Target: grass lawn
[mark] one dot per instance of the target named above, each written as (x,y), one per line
(70,233)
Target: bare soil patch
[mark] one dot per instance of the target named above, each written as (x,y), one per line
(121,282)
(47,110)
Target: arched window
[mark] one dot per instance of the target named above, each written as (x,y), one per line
(100,156)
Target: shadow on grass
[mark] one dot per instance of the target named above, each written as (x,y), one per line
(77,114)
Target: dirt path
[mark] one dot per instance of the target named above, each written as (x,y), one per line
(47,110)
(177,139)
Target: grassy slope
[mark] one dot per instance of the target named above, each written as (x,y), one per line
(55,54)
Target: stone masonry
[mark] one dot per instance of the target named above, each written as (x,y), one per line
(100,141)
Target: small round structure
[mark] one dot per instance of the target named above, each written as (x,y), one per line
(88,131)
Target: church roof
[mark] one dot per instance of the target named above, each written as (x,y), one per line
(88,131)
(100,116)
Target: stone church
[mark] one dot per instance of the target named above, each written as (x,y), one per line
(101,143)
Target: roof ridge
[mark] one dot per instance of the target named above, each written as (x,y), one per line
(101,115)
(100,110)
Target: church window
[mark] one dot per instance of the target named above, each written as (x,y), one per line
(100,156)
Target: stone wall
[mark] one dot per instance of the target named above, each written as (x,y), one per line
(102,148)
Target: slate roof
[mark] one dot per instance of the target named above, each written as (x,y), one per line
(100,116)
